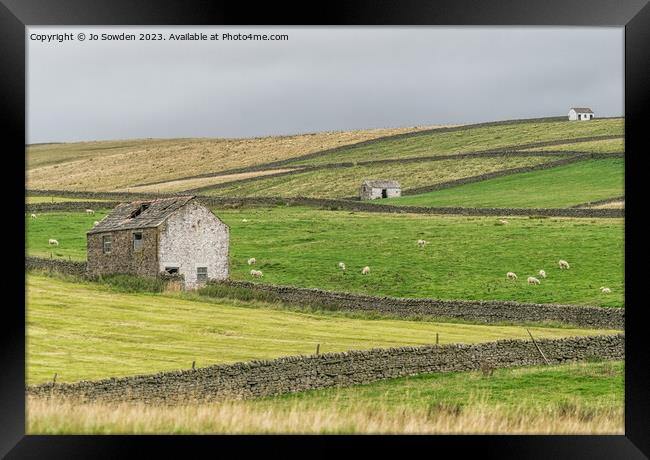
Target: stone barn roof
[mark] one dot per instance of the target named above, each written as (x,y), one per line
(381,183)
(581,109)
(140,214)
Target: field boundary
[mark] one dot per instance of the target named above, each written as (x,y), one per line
(599,202)
(299,373)
(476,311)
(69,206)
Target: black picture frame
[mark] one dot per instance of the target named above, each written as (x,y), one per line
(634,15)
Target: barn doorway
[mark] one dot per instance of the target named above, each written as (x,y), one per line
(384,193)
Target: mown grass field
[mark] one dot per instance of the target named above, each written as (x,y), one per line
(472,140)
(558,187)
(115,165)
(345,182)
(85,331)
(55,199)
(604,146)
(466,257)
(573,398)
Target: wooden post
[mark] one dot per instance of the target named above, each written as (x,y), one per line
(538,349)
(437,339)
(318,348)
(54,379)
(193,363)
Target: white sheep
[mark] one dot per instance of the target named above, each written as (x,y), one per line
(96,223)
(511,275)
(256,273)
(365,270)
(542,273)
(90,211)
(422,243)
(563,264)
(244,220)
(503,221)
(533,280)
(53,242)
(342,266)
(605,290)
(252,261)
(33,216)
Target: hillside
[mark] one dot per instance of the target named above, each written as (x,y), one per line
(112,165)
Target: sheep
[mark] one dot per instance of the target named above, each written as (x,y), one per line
(53,242)
(90,211)
(365,270)
(256,273)
(542,273)
(342,266)
(422,243)
(605,290)
(252,261)
(511,276)
(244,220)
(563,264)
(33,216)
(533,280)
(503,222)
(96,223)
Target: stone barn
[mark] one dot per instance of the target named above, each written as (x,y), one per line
(171,235)
(580,114)
(372,189)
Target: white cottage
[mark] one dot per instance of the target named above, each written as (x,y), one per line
(580,114)
(372,189)
(171,235)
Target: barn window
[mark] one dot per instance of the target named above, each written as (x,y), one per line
(202,274)
(137,241)
(171,270)
(107,242)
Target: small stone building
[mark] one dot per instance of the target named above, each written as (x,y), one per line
(580,114)
(171,235)
(372,189)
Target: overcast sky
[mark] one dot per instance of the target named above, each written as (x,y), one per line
(321,79)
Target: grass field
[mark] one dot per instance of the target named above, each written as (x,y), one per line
(84,331)
(472,140)
(613,205)
(55,199)
(466,258)
(558,187)
(345,182)
(113,165)
(604,146)
(570,398)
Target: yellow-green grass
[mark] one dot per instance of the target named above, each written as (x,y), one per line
(472,139)
(576,398)
(558,187)
(345,182)
(56,199)
(604,146)
(465,258)
(83,331)
(620,204)
(115,165)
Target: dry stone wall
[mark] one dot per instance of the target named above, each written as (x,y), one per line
(481,311)
(300,373)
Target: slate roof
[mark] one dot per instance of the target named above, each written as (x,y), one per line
(582,109)
(378,183)
(155,212)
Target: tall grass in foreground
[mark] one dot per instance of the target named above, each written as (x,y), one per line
(302,417)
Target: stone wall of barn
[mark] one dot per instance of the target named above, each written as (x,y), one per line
(123,258)
(193,237)
(372,193)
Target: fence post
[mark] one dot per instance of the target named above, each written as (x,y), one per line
(54,379)
(193,363)
(318,348)
(538,349)
(437,339)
